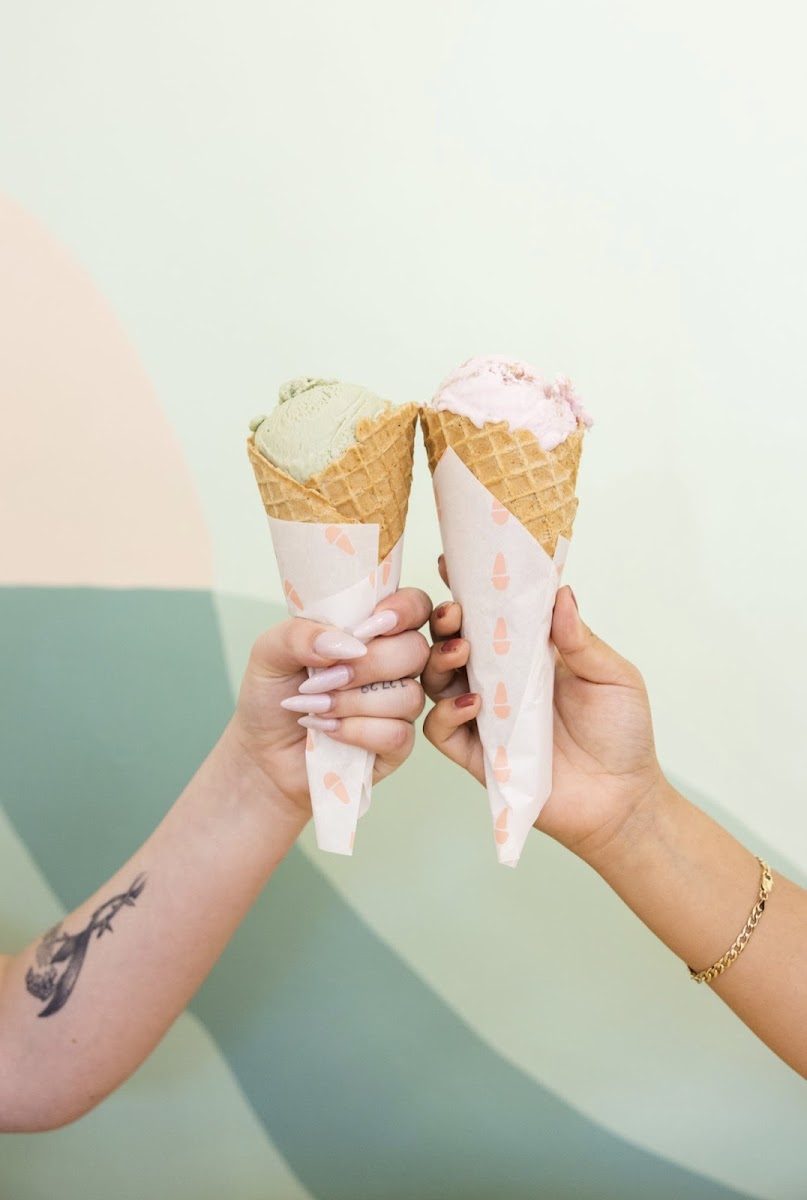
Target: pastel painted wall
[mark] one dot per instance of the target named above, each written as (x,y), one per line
(201,200)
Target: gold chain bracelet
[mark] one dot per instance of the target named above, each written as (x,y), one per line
(731,955)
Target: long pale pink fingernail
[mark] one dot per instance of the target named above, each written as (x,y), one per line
(307,704)
(334,644)
(323,681)
(325,724)
(379,623)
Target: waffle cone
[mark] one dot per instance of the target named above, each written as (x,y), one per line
(368,485)
(537,486)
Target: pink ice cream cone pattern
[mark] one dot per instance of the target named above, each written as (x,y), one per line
(496,426)
(332,574)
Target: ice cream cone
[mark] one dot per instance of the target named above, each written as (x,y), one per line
(537,486)
(368,484)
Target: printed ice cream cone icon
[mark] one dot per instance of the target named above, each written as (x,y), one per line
(501,704)
(386,567)
(501,642)
(334,784)
(500,827)
(291,594)
(309,742)
(501,767)
(500,577)
(337,537)
(352,841)
(499,513)
(372,580)
(437,504)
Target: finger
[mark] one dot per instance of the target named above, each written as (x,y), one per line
(392,740)
(288,647)
(446,620)
(445,660)
(401,657)
(582,652)
(401,699)
(408,608)
(448,727)
(443,569)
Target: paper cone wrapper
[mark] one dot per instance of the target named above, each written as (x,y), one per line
(506,583)
(331,573)
(338,540)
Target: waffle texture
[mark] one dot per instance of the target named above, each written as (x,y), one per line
(368,485)
(537,486)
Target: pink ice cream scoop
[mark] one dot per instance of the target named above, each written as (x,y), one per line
(500,389)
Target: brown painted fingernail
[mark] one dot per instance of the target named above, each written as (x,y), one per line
(450,646)
(441,610)
(466,701)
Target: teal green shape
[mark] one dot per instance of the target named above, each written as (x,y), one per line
(369,1084)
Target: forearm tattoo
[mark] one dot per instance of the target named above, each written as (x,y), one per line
(60,956)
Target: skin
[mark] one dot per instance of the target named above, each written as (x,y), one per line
(682,874)
(203,866)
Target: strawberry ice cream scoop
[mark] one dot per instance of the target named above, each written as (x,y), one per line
(500,389)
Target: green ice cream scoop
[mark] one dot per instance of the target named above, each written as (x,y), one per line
(313,424)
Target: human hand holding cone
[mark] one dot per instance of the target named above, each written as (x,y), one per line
(338,538)
(506,502)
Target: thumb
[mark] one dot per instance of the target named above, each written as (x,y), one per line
(286,648)
(587,656)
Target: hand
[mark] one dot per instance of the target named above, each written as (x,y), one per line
(604,763)
(370,696)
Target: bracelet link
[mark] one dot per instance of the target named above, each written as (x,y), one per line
(743,938)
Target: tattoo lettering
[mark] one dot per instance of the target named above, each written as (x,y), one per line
(60,956)
(385,685)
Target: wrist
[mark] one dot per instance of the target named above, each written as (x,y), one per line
(245,787)
(636,830)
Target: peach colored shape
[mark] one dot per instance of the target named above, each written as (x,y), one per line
(501,767)
(499,513)
(501,704)
(291,594)
(94,488)
(337,537)
(500,579)
(501,642)
(334,784)
(500,827)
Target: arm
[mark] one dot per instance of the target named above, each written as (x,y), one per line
(81,1008)
(682,874)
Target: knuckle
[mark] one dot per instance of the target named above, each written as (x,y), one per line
(416,698)
(400,734)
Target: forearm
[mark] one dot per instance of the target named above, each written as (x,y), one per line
(694,886)
(199,872)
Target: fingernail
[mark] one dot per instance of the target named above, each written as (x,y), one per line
(325,724)
(379,623)
(323,681)
(307,704)
(334,644)
(466,701)
(441,610)
(450,646)
(571,593)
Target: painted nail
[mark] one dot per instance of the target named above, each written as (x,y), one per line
(571,593)
(450,646)
(324,724)
(323,681)
(441,610)
(466,701)
(307,704)
(379,623)
(334,644)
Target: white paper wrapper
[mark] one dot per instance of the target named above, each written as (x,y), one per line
(331,573)
(506,584)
